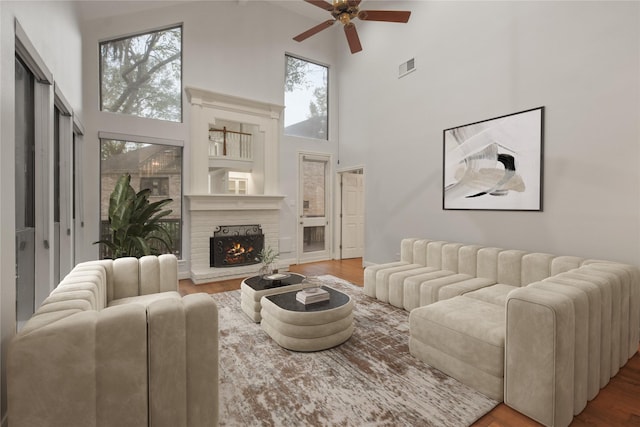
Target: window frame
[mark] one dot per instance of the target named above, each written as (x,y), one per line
(138,34)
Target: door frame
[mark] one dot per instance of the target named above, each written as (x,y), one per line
(338,203)
(301,258)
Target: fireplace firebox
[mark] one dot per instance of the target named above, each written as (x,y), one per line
(235,245)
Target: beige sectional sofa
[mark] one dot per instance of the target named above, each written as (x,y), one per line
(543,333)
(115,344)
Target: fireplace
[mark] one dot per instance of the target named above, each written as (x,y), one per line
(235,245)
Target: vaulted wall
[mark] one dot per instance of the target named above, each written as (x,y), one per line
(54,32)
(478,60)
(230,47)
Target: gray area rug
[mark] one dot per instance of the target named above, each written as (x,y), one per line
(370,380)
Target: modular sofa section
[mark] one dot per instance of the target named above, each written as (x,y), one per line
(542,332)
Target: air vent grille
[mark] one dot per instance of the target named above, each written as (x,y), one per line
(407,67)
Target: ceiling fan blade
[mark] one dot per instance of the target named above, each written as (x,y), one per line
(314,30)
(352,37)
(384,15)
(354,3)
(321,4)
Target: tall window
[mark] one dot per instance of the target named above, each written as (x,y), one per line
(305,98)
(154,166)
(141,75)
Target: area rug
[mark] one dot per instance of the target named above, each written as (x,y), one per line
(370,380)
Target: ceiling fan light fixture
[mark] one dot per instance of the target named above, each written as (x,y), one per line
(346,11)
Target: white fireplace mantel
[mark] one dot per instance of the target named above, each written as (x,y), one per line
(232,202)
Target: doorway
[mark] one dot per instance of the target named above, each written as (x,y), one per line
(314,230)
(351,213)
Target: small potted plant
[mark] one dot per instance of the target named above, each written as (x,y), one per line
(267,256)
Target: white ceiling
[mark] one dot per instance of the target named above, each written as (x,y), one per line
(97,9)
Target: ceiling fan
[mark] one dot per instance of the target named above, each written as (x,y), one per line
(347,10)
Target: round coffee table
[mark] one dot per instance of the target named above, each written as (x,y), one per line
(310,327)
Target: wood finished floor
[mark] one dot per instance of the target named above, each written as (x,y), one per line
(618,404)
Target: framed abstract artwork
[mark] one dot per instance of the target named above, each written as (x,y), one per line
(495,164)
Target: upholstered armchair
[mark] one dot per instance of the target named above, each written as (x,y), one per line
(115,344)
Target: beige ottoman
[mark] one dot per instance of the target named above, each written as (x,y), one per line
(310,327)
(253,288)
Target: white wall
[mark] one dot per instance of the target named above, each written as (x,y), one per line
(55,34)
(230,47)
(478,60)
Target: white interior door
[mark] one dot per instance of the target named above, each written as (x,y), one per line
(352,214)
(314,243)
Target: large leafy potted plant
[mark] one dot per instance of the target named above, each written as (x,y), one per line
(136,229)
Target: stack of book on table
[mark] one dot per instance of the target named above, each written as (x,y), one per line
(311,295)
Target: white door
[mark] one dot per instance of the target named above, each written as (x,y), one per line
(314,228)
(352,214)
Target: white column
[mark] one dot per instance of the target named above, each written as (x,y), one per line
(272,154)
(199,167)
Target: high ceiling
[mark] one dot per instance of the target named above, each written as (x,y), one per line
(97,9)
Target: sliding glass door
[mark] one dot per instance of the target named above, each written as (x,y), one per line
(25,192)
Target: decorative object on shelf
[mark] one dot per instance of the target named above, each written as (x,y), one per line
(136,229)
(495,164)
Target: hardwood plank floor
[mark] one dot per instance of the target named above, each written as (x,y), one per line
(618,404)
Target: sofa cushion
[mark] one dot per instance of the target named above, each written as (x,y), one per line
(468,260)
(81,294)
(95,275)
(539,357)
(382,279)
(462,287)
(145,300)
(581,355)
(430,289)
(158,274)
(70,304)
(607,339)
(464,338)
(450,256)
(396,284)
(126,278)
(495,294)
(535,267)
(594,329)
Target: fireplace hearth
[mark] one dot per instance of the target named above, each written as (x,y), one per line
(235,245)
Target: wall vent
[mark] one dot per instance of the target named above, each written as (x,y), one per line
(407,67)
